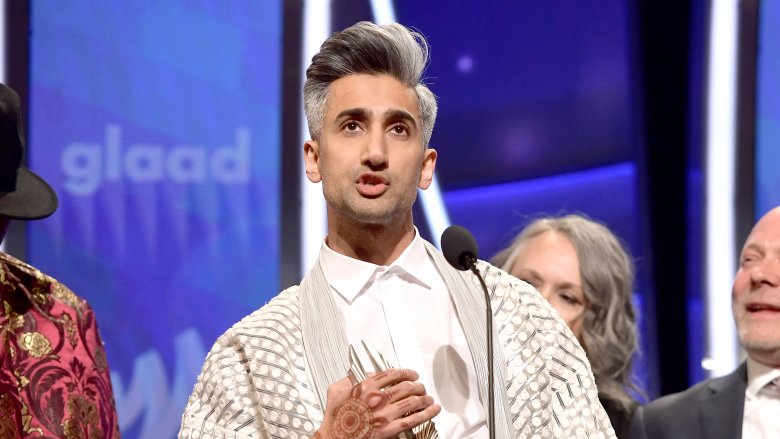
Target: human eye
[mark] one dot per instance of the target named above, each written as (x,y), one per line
(351,126)
(569,298)
(399,129)
(747,259)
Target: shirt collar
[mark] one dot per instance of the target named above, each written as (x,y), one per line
(759,375)
(350,276)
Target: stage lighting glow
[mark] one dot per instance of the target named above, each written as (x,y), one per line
(720,171)
(383,11)
(316,28)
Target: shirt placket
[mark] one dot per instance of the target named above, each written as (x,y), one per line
(401,327)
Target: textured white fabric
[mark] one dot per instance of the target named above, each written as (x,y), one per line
(762,402)
(256,381)
(404,312)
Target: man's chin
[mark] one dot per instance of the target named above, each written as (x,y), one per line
(761,344)
(378,220)
(378,216)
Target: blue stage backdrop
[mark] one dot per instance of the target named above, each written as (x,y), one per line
(768,109)
(158,125)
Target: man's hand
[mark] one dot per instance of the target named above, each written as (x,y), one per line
(382,406)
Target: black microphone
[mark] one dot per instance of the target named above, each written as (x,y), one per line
(459,248)
(461,251)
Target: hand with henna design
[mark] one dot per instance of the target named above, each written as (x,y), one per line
(382,406)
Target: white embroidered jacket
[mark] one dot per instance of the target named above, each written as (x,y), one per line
(259,380)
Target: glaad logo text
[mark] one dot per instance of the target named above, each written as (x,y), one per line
(87,165)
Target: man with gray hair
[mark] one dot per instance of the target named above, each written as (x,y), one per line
(746,402)
(383,336)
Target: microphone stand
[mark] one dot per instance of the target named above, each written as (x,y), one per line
(471,262)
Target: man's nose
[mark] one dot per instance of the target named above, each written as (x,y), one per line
(375,151)
(766,272)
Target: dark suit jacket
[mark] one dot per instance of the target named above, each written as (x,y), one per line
(711,409)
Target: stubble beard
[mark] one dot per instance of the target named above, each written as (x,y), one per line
(759,338)
(379,215)
(763,342)
(377,212)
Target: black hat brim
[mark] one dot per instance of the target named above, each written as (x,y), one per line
(33,198)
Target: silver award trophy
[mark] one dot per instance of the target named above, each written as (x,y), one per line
(425,430)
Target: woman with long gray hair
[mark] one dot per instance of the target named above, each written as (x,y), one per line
(581,268)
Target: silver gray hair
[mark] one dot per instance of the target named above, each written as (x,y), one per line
(365,47)
(609,327)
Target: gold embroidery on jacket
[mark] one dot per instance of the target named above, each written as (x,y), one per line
(64,293)
(70,329)
(101,362)
(83,419)
(35,343)
(21,380)
(14,322)
(39,295)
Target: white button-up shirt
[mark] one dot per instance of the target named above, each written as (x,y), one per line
(762,402)
(405,312)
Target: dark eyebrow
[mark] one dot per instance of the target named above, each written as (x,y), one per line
(401,115)
(353,113)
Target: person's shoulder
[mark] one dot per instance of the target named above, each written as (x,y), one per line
(35,282)
(22,271)
(541,353)
(527,321)
(678,414)
(683,401)
(278,316)
(272,330)
(674,401)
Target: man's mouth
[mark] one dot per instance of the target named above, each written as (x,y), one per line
(371,185)
(763,308)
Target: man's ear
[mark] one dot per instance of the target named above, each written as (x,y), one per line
(428,165)
(311,159)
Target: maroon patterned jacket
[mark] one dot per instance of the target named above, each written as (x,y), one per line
(54,377)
